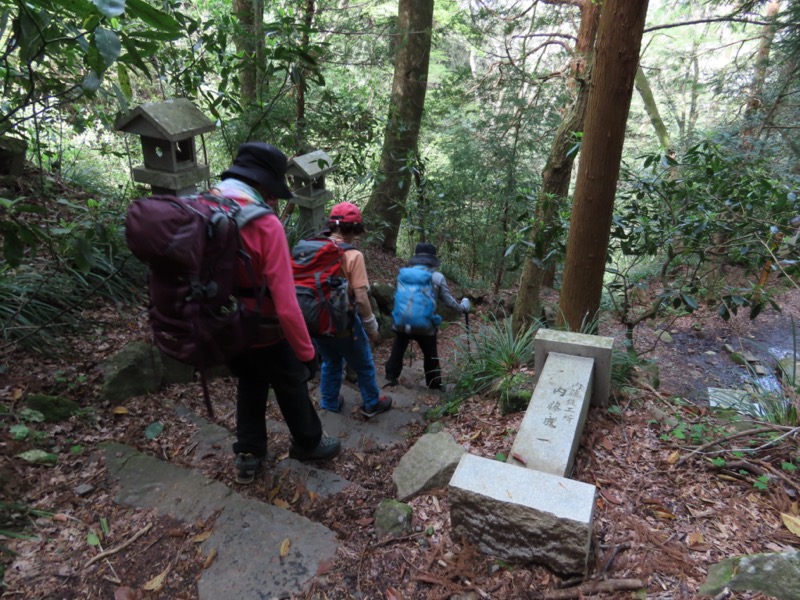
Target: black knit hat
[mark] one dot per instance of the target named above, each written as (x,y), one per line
(263,164)
(424,254)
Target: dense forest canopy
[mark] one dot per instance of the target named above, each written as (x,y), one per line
(710,158)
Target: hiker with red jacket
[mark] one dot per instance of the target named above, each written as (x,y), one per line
(424,259)
(282,357)
(344,224)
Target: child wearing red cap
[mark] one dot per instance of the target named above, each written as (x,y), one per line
(344,224)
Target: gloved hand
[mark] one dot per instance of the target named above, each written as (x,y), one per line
(311,366)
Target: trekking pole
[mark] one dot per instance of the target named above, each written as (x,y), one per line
(466,304)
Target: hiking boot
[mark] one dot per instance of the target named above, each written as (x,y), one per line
(247,467)
(328,447)
(391,383)
(334,409)
(383,404)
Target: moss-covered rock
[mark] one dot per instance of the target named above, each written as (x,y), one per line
(392,518)
(775,574)
(54,408)
(133,371)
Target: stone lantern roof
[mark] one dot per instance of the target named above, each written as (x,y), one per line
(171,120)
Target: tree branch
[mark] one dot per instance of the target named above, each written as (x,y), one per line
(592,587)
(107,553)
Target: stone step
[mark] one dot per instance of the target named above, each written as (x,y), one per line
(243,526)
(550,433)
(518,514)
(385,429)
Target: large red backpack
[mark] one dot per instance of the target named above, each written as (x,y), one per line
(321,286)
(193,248)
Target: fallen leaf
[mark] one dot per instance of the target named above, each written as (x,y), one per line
(792,523)
(157,582)
(285,545)
(393,594)
(281,504)
(520,458)
(312,496)
(120,410)
(695,538)
(326,566)
(273,492)
(664,514)
(295,498)
(16,394)
(176,532)
(155,429)
(610,497)
(125,593)
(365,521)
(202,536)
(674,457)
(210,558)
(606,443)
(473,437)
(38,457)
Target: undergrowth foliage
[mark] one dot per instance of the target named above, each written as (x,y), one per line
(60,256)
(493,362)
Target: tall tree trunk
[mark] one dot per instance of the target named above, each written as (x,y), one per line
(651,108)
(694,99)
(300,136)
(616,58)
(556,175)
(413,49)
(756,101)
(250,14)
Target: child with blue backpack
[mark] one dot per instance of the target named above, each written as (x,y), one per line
(420,287)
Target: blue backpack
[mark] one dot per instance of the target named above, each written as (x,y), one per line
(414,302)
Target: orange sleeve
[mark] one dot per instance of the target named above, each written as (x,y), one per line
(355,269)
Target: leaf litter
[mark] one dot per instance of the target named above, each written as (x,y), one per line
(656,519)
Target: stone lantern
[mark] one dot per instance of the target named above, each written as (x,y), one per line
(308,173)
(167,130)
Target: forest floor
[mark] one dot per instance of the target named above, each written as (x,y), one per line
(663,514)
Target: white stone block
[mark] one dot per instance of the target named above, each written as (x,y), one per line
(550,433)
(579,344)
(521,515)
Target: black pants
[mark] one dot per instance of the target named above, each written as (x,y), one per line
(430,358)
(274,366)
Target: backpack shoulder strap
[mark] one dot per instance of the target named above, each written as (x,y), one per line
(250,212)
(242,214)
